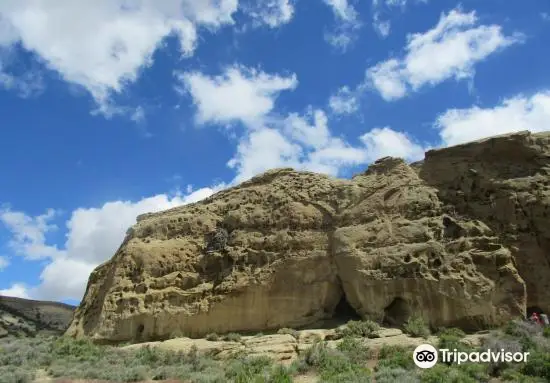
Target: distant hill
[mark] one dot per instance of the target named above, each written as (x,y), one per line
(29,317)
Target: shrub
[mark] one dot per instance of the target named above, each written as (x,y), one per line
(366,328)
(280,374)
(498,342)
(452,339)
(417,327)
(244,370)
(525,332)
(15,374)
(464,373)
(289,331)
(398,374)
(213,337)
(80,349)
(537,365)
(395,357)
(513,375)
(232,337)
(354,349)
(546,332)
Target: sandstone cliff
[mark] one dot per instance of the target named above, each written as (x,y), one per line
(462,238)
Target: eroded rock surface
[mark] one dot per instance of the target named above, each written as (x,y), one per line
(444,238)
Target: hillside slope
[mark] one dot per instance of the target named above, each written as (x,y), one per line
(30,317)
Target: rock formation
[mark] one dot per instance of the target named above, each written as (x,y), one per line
(462,238)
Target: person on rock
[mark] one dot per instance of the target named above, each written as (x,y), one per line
(544,319)
(535,318)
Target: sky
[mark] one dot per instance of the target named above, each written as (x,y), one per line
(114,108)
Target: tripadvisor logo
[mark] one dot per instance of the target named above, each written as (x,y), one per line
(426,356)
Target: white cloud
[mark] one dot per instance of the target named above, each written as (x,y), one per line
(545,16)
(344,101)
(450,50)
(512,115)
(262,150)
(93,236)
(17,290)
(347,24)
(343,10)
(383,142)
(272,13)
(29,233)
(102,45)
(382,27)
(241,94)
(4,262)
(386,77)
(304,142)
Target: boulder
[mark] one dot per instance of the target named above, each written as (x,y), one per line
(461,239)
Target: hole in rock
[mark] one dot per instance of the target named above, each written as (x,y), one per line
(397,312)
(140,330)
(533,309)
(344,311)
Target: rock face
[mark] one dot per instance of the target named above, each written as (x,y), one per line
(462,239)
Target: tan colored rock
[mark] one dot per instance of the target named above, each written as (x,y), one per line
(220,349)
(440,238)
(277,347)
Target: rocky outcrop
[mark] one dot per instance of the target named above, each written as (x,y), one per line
(285,348)
(461,239)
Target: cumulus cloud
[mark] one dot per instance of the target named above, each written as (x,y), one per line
(305,142)
(449,50)
(17,290)
(344,101)
(382,142)
(29,233)
(514,114)
(103,45)
(239,94)
(347,24)
(93,236)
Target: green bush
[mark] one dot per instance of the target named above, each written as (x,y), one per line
(464,373)
(365,328)
(244,370)
(354,349)
(417,327)
(538,365)
(213,337)
(393,375)
(15,374)
(395,357)
(232,337)
(546,332)
(334,366)
(515,376)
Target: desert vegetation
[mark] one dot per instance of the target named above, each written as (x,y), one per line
(23,359)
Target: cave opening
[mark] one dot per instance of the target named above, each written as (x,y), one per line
(344,311)
(533,309)
(397,312)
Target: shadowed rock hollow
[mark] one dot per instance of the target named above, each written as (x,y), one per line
(462,239)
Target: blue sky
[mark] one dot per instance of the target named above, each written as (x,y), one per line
(114,108)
